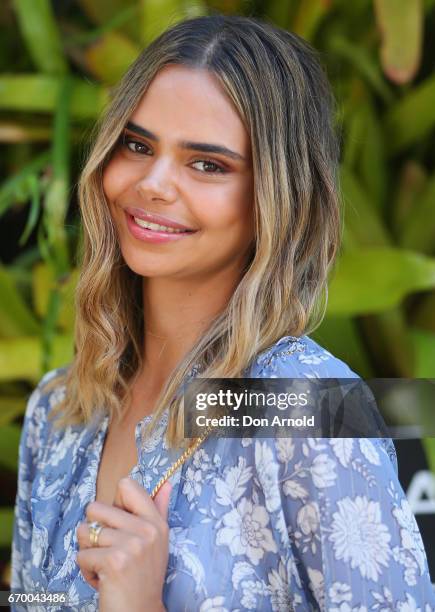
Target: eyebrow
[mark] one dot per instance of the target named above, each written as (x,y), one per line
(205,147)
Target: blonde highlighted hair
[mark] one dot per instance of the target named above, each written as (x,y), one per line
(282,95)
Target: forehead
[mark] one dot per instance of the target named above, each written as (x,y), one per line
(183,102)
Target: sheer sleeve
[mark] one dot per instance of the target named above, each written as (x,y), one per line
(352,538)
(352,542)
(32,436)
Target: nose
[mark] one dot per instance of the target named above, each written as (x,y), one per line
(157,182)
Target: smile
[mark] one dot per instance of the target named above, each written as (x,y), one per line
(157,227)
(155,233)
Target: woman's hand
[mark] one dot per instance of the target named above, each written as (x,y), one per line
(129,564)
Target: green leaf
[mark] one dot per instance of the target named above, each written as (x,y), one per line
(9,443)
(43,245)
(157,15)
(6,526)
(61,129)
(56,240)
(362,222)
(10,409)
(423,314)
(40,93)
(361,60)
(103,11)
(35,207)
(56,200)
(412,118)
(410,185)
(401,26)
(386,337)
(197,8)
(110,56)
(43,279)
(309,17)
(23,131)
(424,347)
(419,230)
(373,280)
(15,317)
(21,358)
(43,282)
(354,136)
(429,450)
(341,337)
(40,34)
(278,12)
(49,327)
(372,166)
(19,187)
(364,151)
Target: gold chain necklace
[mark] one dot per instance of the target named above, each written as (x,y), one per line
(181,459)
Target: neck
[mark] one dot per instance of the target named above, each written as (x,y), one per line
(177,313)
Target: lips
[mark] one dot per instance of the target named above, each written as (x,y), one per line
(155,218)
(153,235)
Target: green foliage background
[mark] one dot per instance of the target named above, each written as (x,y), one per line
(58,62)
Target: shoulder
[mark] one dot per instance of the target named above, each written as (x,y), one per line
(292,357)
(298,357)
(51,377)
(48,389)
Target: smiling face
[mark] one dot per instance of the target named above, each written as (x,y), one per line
(184,159)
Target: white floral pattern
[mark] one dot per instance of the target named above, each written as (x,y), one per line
(245,531)
(255,524)
(360,537)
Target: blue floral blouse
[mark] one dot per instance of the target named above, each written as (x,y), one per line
(282,524)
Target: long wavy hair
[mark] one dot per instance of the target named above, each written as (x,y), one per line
(282,95)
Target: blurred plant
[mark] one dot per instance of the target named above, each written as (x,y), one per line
(56,71)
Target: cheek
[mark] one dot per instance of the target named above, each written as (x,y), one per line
(110,182)
(115,178)
(227,209)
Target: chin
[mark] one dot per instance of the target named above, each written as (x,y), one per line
(142,270)
(146,268)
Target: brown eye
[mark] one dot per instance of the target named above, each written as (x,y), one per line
(216,168)
(135,146)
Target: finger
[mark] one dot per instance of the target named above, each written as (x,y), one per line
(114,517)
(110,562)
(86,565)
(161,500)
(133,498)
(106,537)
(95,563)
(91,578)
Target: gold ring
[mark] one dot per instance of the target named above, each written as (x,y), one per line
(94,531)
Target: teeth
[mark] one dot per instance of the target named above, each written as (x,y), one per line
(156,226)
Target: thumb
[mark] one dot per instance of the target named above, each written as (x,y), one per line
(161,500)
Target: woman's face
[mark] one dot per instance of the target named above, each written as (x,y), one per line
(184,158)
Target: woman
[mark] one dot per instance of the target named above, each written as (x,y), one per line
(211,221)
